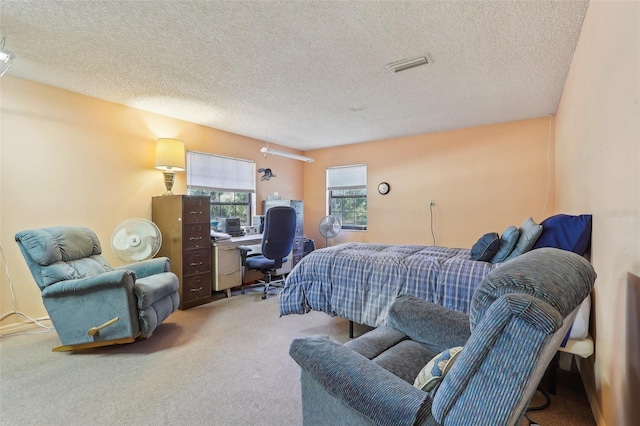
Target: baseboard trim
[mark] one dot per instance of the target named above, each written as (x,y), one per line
(586,369)
(21,327)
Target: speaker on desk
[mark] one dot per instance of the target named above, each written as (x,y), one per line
(258,222)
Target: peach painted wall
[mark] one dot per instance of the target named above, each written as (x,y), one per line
(482,179)
(598,171)
(69,159)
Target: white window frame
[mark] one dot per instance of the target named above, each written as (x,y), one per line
(350,178)
(217,173)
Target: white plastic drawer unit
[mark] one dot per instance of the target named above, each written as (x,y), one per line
(228,267)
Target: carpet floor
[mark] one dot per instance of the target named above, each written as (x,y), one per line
(224,363)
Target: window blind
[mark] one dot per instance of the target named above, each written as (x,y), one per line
(220,173)
(347,177)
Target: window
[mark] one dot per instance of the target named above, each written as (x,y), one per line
(230,182)
(347,195)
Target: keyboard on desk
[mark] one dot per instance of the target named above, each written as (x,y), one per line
(217,236)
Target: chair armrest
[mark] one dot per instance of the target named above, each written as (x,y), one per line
(360,383)
(436,326)
(150,289)
(84,285)
(504,369)
(148,267)
(244,250)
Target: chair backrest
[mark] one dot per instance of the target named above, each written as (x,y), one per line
(61,253)
(279,232)
(519,315)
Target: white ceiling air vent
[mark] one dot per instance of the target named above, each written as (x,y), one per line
(405,64)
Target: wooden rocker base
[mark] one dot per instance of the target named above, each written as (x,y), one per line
(95,344)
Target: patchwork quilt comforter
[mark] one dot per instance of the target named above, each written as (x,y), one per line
(358,281)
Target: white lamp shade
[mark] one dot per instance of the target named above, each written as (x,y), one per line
(170,154)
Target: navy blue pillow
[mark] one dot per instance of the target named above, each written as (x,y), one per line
(566,232)
(486,247)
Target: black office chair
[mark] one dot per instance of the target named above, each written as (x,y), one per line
(277,242)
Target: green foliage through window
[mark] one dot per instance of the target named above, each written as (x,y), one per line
(350,206)
(227,204)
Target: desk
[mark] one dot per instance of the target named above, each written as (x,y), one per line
(246,240)
(227,263)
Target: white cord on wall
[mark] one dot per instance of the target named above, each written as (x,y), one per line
(28,319)
(546,195)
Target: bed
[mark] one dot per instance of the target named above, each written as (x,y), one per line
(358,281)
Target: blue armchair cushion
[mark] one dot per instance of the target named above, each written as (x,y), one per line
(107,280)
(529,234)
(150,289)
(380,395)
(55,244)
(508,241)
(409,314)
(566,232)
(560,278)
(260,262)
(435,370)
(486,247)
(62,253)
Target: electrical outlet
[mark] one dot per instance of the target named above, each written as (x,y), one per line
(433,202)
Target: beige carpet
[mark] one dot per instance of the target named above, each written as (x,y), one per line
(224,363)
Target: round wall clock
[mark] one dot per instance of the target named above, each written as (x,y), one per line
(384,188)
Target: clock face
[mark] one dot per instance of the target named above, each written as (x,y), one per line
(384,188)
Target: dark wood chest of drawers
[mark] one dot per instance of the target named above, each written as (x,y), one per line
(186,239)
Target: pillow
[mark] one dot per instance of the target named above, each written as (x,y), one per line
(435,370)
(566,232)
(486,247)
(529,234)
(508,241)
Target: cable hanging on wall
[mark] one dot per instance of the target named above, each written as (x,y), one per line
(433,232)
(546,195)
(29,320)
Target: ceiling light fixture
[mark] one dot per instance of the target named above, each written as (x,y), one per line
(266,150)
(405,64)
(6,58)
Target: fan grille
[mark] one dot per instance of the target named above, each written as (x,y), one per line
(136,239)
(329,227)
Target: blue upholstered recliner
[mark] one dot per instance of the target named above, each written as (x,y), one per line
(90,303)
(519,315)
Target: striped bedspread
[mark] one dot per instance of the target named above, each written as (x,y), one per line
(358,281)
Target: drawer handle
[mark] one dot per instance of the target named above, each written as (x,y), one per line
(194,212)
(195,238)
(193,290)
(229,273)
(195,264)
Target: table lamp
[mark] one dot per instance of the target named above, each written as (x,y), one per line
(169,159)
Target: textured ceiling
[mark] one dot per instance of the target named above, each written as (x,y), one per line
(303,74)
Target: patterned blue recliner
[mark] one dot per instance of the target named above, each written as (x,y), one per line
(90,303)
(519,315)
